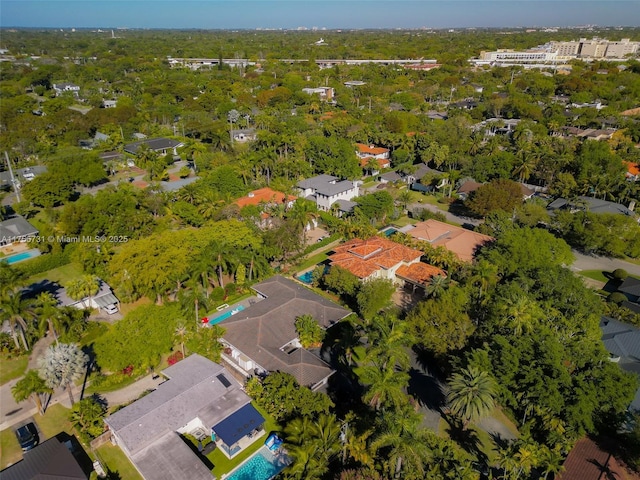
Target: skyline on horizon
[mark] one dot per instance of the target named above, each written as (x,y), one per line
(329,14)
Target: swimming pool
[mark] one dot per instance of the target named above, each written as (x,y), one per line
(262,465)
(389,231)
(225,315)
(306,277)
(19,257)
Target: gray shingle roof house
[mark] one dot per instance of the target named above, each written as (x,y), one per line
(159,145)
(16,229)
(631,288)
(200,398)
(263,336)
(594,205)
(622,341)
(49,460)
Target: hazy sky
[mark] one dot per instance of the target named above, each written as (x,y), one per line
(232,14)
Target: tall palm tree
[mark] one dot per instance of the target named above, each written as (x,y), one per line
(402,445)
(18,311)
(33,387)
(312,444)
(388,339)
(485,275)
(181,331)
(47,309)
(470,396)
(61,365)
(384,386)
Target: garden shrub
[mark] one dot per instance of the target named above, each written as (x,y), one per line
(44,263)
(620,274)
(616,297)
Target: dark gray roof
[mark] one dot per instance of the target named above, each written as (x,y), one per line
(594,205)
(177,184)
(621,339)
(261,330)
(631,286)
(169,458)
(16,227)
(49,460)
(153,143)
(346,206)
(391,177)
(105,156)
(634,307)
(424,169)
(327,185)
(192,391)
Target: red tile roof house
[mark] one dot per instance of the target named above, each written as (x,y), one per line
(587,461)
(378,257)
(266,197)
(367,152)
(458,240)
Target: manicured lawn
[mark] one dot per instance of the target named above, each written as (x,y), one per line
(61,275)
(13,368)
(114,460)
(223,465)
(594,274)
(54,421)
(404,221)
(313,260)
(127,307)
(10,451)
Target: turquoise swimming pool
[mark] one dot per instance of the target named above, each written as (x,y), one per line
(225,315)
(262,465)
(306,277)
(19,257)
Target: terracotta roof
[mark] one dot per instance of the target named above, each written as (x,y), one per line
(382,162)
(631,112)
(420,273)
(263,195)
(365,257)
(458,240)
(632,168)
(587,461)
(362,148)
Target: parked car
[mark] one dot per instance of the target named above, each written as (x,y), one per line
(27,436)
(111,309)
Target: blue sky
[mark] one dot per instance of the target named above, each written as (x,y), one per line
(235,14)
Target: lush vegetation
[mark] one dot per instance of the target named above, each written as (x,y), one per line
(515,329)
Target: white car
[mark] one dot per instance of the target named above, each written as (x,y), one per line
(111,309)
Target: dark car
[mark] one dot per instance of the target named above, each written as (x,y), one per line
(27,436)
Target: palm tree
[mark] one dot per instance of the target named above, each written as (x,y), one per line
(385,386)
(181,331)
(312,444)
(49,313)
(17,311)
(33,387)
(83,288)
(388,339)
(303,214)
(437,285)
(470,395)
(62,365)
(485,274)
(405,446)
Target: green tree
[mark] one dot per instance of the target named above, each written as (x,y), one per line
(499,194)
(61,365)
(374,295)
(87,416)
(384,386)
(49,313)
(471,395)
(309,331)
(33,387)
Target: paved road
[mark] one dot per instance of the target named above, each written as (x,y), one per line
(592,262)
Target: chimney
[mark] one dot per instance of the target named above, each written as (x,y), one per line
(251,195)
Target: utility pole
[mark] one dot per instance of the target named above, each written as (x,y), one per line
(14,182)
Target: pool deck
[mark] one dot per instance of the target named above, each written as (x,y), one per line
(280,455)
(33,253)
(246,303)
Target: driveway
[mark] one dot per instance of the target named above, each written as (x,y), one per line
(451,217)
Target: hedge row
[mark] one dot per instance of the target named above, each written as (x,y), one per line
(44,263)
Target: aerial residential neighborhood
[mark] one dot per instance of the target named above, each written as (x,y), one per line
(259,250)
